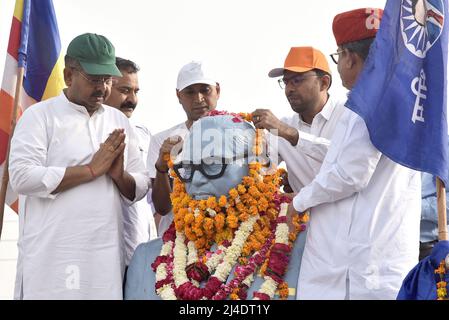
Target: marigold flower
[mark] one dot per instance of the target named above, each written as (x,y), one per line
(200,243)
(283,290)
(305,217)
(233,193)
(222,201)
(219,221)
(232,222)
(211,202)
(203,205)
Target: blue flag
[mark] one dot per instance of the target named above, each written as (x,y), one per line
(402,91)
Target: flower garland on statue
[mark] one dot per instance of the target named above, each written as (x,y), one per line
(249,227)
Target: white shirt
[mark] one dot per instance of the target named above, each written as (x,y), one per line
(138,219)
(364,225)
(304,160)
(153,154)
(71,243)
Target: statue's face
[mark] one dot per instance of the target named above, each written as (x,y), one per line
(218,163)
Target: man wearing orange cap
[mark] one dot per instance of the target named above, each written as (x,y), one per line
(305,137)
(364,227)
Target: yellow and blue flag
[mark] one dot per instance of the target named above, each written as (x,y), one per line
(34,44)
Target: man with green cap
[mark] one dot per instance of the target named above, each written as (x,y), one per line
(72,160)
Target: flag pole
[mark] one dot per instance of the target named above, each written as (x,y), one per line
(5,178)
(441,198)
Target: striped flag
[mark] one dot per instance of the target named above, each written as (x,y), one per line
(34,43)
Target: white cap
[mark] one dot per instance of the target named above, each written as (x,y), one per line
(192,73)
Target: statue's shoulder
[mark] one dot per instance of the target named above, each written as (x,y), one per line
(149,249)
(140,278)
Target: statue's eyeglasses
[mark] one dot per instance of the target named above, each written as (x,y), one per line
(211,168)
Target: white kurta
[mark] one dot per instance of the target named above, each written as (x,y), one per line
(304,160)
(70,244)
(364,226)
(153,154)
(138,219)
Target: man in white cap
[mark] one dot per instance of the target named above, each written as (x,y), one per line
(198,93)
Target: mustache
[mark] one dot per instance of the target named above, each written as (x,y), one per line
(128,104)
(98,94)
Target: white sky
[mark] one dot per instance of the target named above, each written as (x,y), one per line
(241,39)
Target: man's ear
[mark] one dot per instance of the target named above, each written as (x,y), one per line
(352,59)
(325,82)
(218,89)
(68,75)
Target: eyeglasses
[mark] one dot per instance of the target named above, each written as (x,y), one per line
(335,56)
(212,168)
(95,81)
(296,81)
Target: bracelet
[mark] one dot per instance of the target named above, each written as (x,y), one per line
(159,170)
(91,171)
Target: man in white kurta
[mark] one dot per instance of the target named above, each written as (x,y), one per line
(65,161)
(138,220)
(198,92)
(364,225)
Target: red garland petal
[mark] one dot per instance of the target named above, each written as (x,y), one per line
(261,296)
(197,271)
(212,286)
(162,282)
(158,261)
(282,219)
(170,234)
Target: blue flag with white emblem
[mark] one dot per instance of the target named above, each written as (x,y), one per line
(402,91)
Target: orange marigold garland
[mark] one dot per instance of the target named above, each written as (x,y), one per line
(442,284)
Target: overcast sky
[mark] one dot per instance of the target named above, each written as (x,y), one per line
(240,39)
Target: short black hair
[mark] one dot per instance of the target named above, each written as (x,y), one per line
(71,62)
(321,73)
(126,65)
(360,47)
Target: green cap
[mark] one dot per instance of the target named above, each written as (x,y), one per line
(95,53)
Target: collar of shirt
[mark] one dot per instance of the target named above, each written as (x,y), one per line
(78,107)
(325,114)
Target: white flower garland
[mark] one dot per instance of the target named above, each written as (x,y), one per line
(180,260)
(223,269)
(235,250)
(216,259)
(192,257)
(269,286)
(166,291)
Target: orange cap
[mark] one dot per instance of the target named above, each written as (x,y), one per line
(356,25)
(302,59)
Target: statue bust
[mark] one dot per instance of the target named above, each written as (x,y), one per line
(229,238)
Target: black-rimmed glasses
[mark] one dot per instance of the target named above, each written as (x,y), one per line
(96,81)
(334,56)
(211,168)
(295,81)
